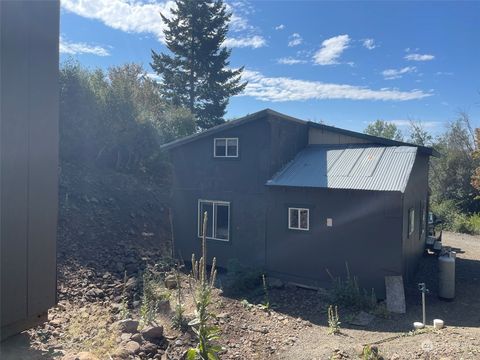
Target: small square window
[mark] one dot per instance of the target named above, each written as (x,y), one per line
(298,219)
(226,147)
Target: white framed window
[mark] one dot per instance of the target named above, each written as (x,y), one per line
(298,218)
(225,147)
(411,221)
(218,219)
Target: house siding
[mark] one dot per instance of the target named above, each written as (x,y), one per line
(240,181)
(415,192)
(366,234)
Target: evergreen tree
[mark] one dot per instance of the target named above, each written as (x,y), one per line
(384,129)
(196,74)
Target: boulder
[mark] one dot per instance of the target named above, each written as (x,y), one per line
(171,282)
(152,332)
(132,347)
(128,326)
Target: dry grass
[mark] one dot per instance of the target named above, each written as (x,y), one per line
(91,329)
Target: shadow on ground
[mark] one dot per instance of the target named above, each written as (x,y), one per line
(19,347)
(463,311)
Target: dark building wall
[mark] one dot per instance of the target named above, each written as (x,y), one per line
(366,233)
(416,194)
(264,145)
(29,160)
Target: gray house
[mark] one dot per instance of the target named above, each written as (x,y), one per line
(296,198)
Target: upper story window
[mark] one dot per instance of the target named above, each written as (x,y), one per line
(298,219)
(226,147)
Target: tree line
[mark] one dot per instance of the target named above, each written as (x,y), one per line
(454,177)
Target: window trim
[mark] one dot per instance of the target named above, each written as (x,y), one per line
(298,209)
(214,220)
(411,221)
(226,147)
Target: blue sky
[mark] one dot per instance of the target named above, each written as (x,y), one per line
(344,63)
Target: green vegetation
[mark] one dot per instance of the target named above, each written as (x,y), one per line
(454,176)
(371,352)
(117,119)
(206,333)
(384,129)
(154,294)
(347,293)
(197,75)
(124,312)
(333,320)
(266,295)
(178,320)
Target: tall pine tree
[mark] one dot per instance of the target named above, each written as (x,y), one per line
(196,74)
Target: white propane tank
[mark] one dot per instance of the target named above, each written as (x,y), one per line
(446,276)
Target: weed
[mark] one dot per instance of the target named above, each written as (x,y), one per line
(371,352)
(124,312)
(333,320)
(153,296)
(266,296)
(206,333)
(179,321)
(347,293)
(246,304)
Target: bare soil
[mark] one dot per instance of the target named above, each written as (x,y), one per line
(114,223)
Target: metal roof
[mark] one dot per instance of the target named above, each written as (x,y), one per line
(358,167)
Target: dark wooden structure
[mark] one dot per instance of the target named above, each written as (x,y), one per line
(29,33)
(296,198)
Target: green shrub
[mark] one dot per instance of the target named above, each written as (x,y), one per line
(153,295)
(347,293)
(454,220)
(371,352)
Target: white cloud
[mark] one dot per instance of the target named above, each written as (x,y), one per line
(331,50)
(406,123)
(279,89)
(390,74)
(280,27)
(131,17)
(72,48)
(295,40)
(290,61)
(419,57)
(369,44)
(144,17)
(255,42)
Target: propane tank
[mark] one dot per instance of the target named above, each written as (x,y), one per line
(446,273)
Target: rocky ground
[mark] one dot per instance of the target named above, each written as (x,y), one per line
(112,227)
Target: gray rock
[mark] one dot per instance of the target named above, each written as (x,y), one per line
(171,282)
(128,326)
(152,332)
(137,338)
(132,347)
(148,348)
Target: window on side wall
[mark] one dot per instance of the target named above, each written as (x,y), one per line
(298,218)
(225,147)
(423,217)
(411,221)
(218,219)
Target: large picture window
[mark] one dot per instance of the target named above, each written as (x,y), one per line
(298,219)
(218,219)
(226,147)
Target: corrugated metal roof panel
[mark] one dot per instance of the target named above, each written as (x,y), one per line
(359,167)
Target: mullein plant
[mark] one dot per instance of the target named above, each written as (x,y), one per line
(206,333)
(124,312)
(266,296)
(179,320)
(333,320)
